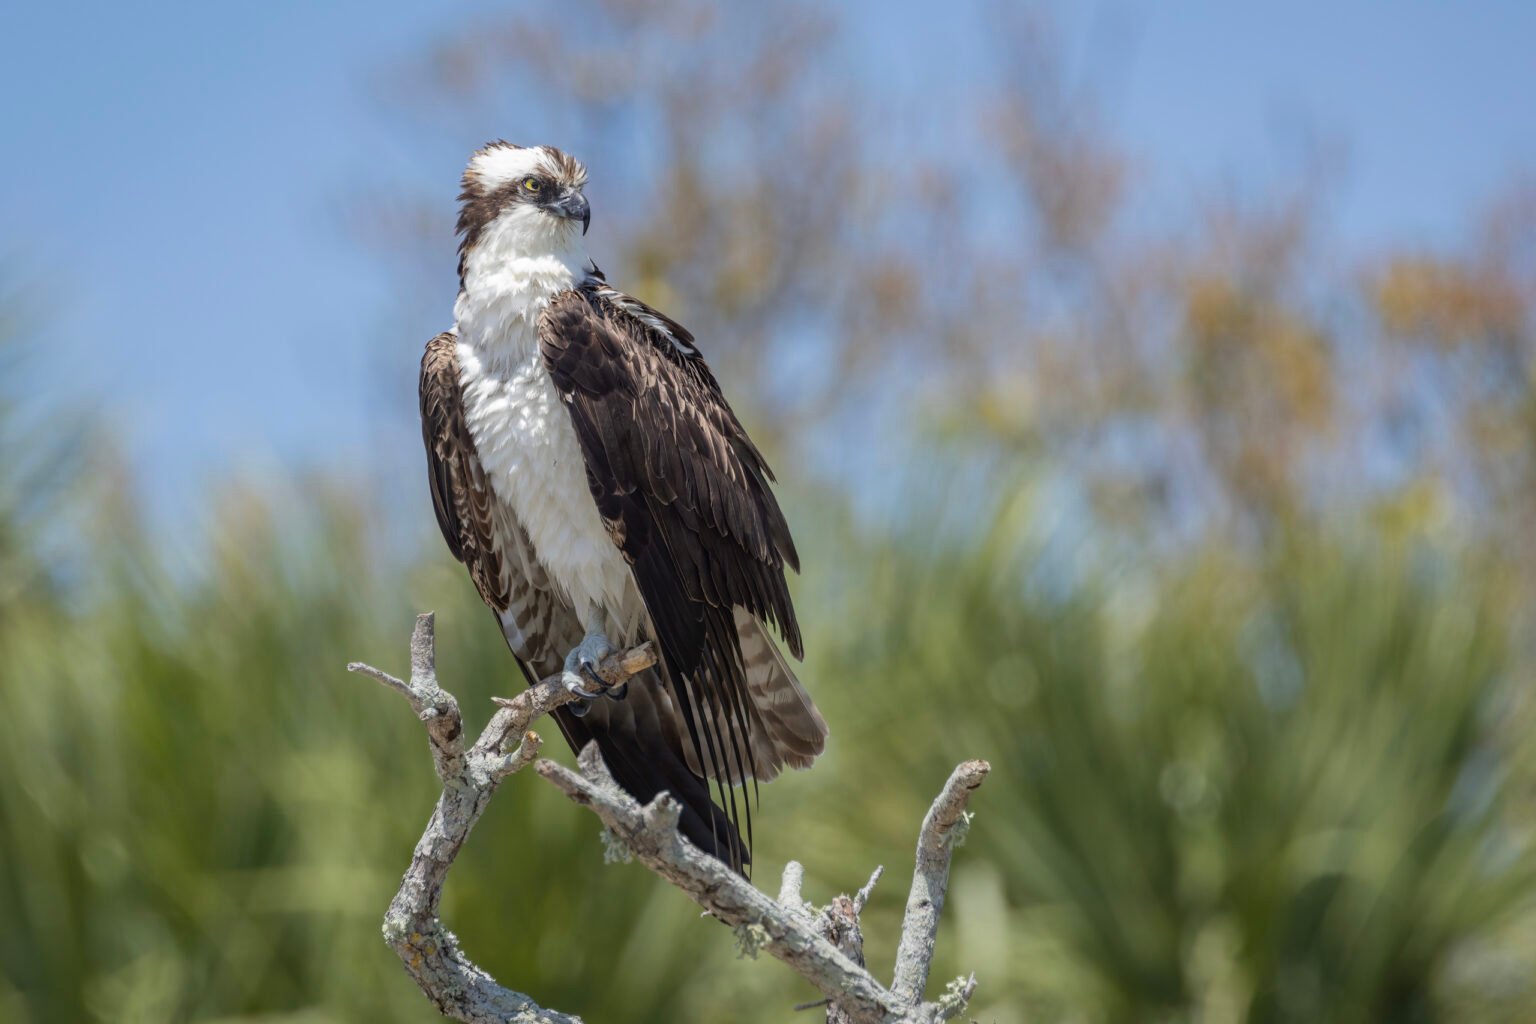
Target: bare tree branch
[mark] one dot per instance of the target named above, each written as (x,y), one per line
(780,927)
(431,955)
(930,878)
(824,947)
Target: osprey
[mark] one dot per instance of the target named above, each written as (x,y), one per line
(588,472)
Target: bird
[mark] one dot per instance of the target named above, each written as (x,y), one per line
(587,470)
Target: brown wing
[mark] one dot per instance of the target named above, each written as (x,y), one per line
(686,496)
(670,466)
(462,499)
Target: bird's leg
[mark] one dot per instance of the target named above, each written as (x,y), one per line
(580,676)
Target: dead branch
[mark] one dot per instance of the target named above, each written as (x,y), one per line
(824,947)
(930,879)
(431,955)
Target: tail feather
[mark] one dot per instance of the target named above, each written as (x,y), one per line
(790,729)
(641,746)
(784,724)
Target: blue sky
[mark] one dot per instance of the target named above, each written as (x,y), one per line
(173,176)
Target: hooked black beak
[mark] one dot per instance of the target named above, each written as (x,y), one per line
(573,206)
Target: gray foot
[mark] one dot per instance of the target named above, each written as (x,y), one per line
(581,678)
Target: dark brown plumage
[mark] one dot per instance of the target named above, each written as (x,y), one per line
(460,496)
(685,495)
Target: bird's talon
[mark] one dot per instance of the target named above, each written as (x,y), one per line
(578,687)
(581,675)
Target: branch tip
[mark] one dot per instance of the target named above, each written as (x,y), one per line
(378,675)
(789,888)
(424,648)
(930,881)
(663,813)
(861,898)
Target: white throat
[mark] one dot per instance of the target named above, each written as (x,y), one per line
(519,262)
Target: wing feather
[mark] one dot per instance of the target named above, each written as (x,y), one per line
(668,459)
(461,497)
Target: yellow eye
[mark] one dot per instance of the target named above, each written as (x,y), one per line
(531,184)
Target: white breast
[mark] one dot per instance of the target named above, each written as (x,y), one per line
(527,445)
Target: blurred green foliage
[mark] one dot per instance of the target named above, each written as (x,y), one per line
(1283,789)
(1284,792)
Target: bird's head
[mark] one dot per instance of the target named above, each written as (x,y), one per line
(529,196)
